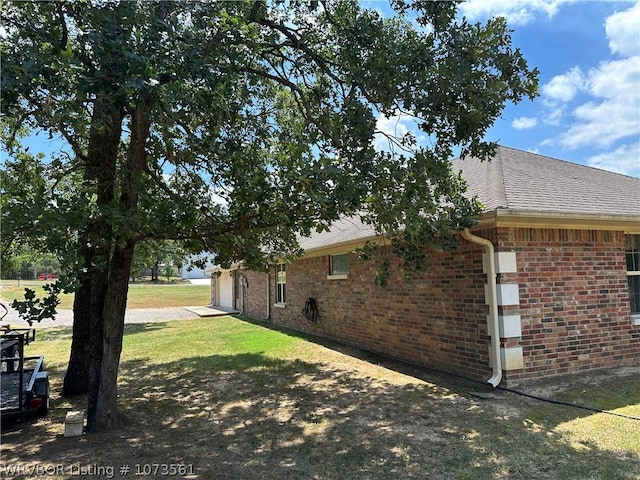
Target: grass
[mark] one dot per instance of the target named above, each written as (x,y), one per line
(140,295)
(598,431)
(240,400)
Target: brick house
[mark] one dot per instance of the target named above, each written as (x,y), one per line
(547,283)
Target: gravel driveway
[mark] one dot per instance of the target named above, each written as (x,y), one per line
(65,317)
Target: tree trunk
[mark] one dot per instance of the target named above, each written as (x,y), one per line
(94,246)
(103,412)
(76,380)
(99,304)
(155,272)
(87,313)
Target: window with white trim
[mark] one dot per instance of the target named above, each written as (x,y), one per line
(281,284)
(339,264)
(632,253)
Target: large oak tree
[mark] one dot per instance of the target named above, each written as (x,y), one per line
(232,127)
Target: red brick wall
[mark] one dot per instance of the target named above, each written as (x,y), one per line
(574,300)
(438,320)
(573,291)
(255,298)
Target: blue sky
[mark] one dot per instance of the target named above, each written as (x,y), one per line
(588,54)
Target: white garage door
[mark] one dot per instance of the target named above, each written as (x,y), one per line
(225,292)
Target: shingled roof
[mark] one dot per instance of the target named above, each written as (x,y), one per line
(528,182)
(515,181)
(342,231)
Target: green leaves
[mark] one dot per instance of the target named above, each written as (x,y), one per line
(234,127)
(262,117)
(33,309)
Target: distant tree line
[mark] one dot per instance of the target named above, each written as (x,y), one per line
(151,259)
(157,258)
(28,265)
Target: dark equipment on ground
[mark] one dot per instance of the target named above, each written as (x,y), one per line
(24,383)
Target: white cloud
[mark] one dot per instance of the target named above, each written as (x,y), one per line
(396,126)
(613,113)
(623,32)
(393,125)
(624,159)
(517,12)
(554,116)
(564,87)
(524,123)
(610,79)
(608,115)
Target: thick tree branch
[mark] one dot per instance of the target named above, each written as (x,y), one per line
(323,63)
(63,25)
(171,116)
(10,142)
(43,116)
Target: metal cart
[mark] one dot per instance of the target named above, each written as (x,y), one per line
(24,382)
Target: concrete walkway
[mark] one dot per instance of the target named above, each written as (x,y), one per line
(64,318)
(209,311)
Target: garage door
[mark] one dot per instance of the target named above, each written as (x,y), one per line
(225,294)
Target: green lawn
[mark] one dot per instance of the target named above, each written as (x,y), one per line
(241,400)
(140,295)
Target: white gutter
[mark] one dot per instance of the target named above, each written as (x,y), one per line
(492,319)
(509,217)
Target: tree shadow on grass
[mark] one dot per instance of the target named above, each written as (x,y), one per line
(251,416)
(53,334)
(614,391)
(66,332)
(137,328)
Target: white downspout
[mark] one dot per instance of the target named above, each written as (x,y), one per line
(268,295)
(243,290)
(492,324)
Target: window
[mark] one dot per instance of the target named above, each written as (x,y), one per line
(281,284)
(339,265)
(632,250)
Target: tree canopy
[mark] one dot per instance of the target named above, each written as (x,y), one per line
(233,127)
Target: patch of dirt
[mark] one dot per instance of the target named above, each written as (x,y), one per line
(551,387)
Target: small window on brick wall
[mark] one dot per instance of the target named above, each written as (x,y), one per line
(339,264)
(632,250)
(281,284)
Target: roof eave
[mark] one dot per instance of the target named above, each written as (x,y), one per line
(340,247)
(548,219)
(219,268)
